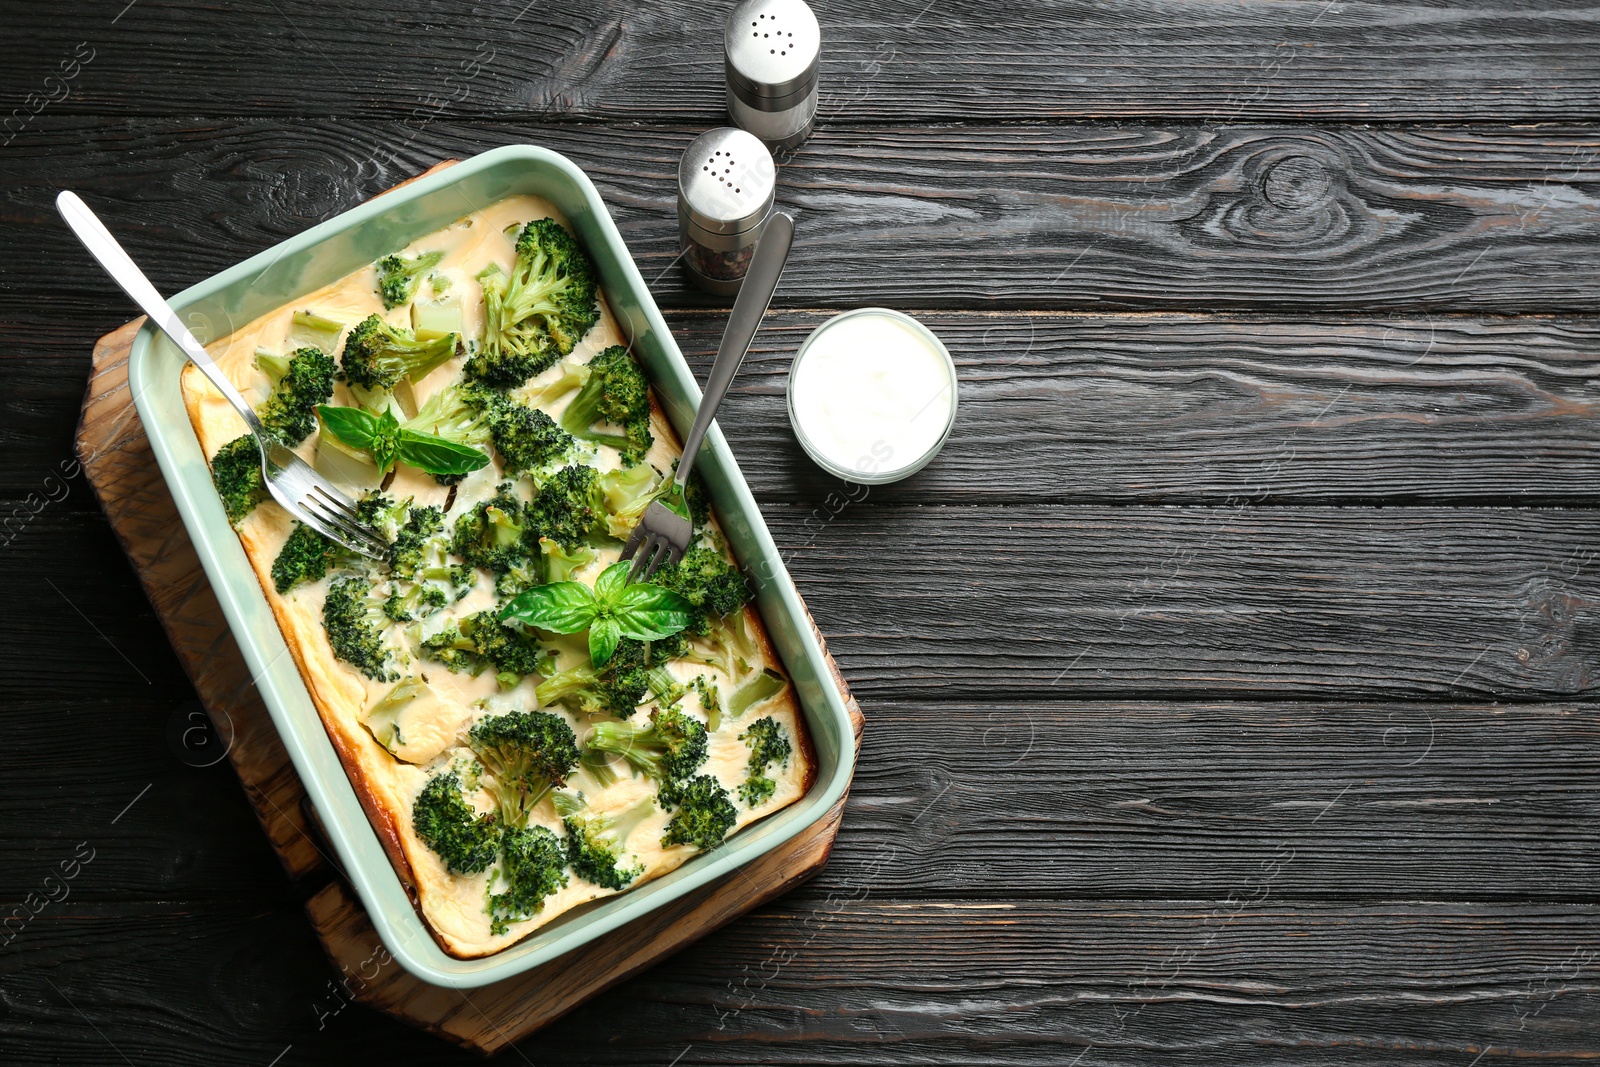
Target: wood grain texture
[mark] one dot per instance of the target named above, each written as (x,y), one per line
(906,61)
(830,975)
(1201,603)
(1085,800)
(1081,217)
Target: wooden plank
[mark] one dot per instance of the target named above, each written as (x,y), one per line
(1386,801)
(1118,408)
(1042,218)
(1060,602)
(1201,603)
(831,976)
(1003,799)
(907,61)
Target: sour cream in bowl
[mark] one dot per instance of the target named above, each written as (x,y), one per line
(872,395)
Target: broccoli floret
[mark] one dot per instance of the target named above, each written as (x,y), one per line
(236,472)
(510,650)
(454,413)
(398,277)
(527,753)
(532,866)
(694,495)
(568,508)
(628,491)
(626,681)
(356,623)
(671,747)
(768,744)
(424,579)
(597,765)
(471,414)
(382,513)
(704,814)
(725,643)
(572,376)
(757,689)
(527,438)
(446,823)
(537,313)
(491,536)
(450,647)
(479,639)
(718,592)
(378,355)
(558,564)
(416,544)
(596,843)
(710,701)
(615,394)
(306,557)
(301,381)
(709,582)
(666,649)
(593,692)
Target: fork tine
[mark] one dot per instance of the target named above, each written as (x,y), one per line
(635,539)
(341,505)
(348,530)
(641,559)
(658,555)
(327,529)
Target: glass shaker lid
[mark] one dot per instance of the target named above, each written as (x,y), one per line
(771,48)
(726,180)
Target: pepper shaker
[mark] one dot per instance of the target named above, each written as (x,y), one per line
(770,50)
(726,181)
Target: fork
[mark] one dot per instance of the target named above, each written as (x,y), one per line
(293,482)
(666,530)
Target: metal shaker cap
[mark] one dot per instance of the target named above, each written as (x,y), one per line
(770,48)
(726,181)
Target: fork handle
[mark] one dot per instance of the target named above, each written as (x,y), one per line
(755,293)
(126,273)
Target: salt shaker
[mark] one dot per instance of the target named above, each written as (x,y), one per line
(770,50)
(726,180)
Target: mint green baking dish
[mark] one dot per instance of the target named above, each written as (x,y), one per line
(327,252)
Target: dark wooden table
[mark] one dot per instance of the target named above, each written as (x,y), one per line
(1229,680)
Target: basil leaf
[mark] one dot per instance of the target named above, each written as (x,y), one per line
(353,426)
(560,607)
(603,638)
(612,581)
(648,612)
(436,455)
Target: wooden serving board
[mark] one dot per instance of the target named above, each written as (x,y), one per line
(118,462)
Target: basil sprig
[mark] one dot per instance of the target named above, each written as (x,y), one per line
(612,611)
(383,438)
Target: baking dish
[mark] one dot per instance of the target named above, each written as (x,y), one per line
(325,253)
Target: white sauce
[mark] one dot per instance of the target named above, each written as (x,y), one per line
(872,394)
